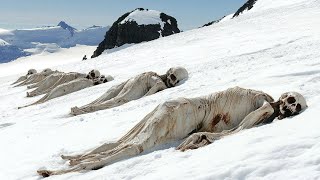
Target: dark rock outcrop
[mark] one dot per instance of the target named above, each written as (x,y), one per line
(246,7)
(64,25)
(213,22)
(127,31)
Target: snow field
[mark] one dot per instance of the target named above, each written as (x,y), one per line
(273,49)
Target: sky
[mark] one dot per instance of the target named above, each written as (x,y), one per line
(190,14)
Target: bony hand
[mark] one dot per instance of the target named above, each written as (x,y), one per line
(195,141)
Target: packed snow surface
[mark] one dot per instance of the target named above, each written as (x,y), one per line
(274,49)
(144,17)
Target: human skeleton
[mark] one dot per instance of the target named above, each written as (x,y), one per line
(200,120)
(35,77)
(56,87)
(139,86)
(22,78)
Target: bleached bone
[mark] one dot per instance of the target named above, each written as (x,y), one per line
(291,103)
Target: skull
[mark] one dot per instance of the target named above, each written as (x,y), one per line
(102,79)
(291,103)
(31,71)
(47,71)
(175,75)
(109,78)
(93,74)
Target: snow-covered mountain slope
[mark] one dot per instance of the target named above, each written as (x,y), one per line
(9,52)
(60,57)
(274,49)
(144,17)
(36,40)
(66,26)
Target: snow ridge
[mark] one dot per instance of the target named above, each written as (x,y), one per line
(144,17)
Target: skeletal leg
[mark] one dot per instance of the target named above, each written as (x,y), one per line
(22,78)
(25,81)
(35,85)
(34,79)
(102,148)
(111,93)
(30,80)
(47,173)
(118,154)
(149,130)
(166,123)
(46,86)
(108,146)
(63,80)
(47,81)
(64,89)
(96,107)
(122,153)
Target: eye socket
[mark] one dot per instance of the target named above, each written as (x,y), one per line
(287,112)
(92,74)
(298,108)
(173,77)
(291,100)
(96,83)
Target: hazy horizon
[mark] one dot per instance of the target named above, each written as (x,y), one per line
(17,14)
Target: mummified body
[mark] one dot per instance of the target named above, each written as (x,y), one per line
(36,77)
(52,81)
(72,86)
(22,78)
(202,120)
(141,85)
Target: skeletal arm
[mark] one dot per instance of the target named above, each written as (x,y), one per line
(157,85)
(111,93)
(200,139)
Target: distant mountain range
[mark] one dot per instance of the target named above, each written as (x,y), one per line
(23,42)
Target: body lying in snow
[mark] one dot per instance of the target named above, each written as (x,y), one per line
(22,78)
(141,85)
(52,81)
(201,121)
(35,77)
(65,85)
